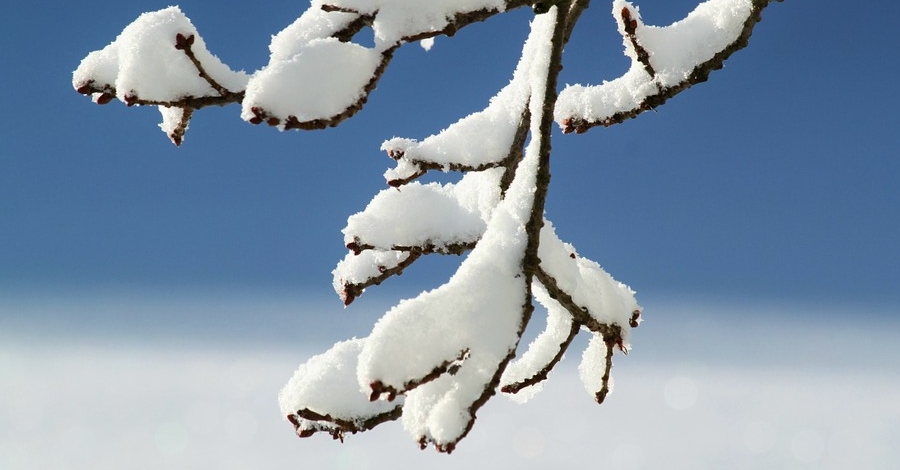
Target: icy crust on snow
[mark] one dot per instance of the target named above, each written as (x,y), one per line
(357,269)
(674,51)
(143,62)
(427,214)
(321,80)
(334,371)
(396,19)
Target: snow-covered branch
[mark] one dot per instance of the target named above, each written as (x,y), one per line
(665,61)
(316,77)
(161,60)
(434,360)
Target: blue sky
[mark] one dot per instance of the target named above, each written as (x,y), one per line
(766,196)
(777,178)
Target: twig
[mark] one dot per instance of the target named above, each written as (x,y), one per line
(352,291)
(699,74)
(542,374)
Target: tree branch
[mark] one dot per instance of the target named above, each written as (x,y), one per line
(600,395)
(358,247)
(339,427)
(378,389)
(630,29)
(353,290)
(699,74)
(542,374)
(184,44)
(580,314)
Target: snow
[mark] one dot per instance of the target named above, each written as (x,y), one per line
(314,77)
(171,118)
(593,365)
(335,371)
(541,350)
(605,299)
(676,49)
(470,325)
(481,138)
(87,388)
(358,268)
(311,25)
(397,19)
(325,77)
(427,214)
(674,52)
(438,355)
(143,62)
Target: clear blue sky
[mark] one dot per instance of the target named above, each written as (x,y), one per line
(777,179)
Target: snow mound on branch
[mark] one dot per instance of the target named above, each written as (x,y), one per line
(322,80)
(422,214)
(674,51)
(542,350)
(480,138)
(314,23)
(345,399)
(360,268)
(335,371)
(143,62)
(593,365)
(396,19)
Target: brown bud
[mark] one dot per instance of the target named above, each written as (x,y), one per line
(258,115)
(635,320)
(105,98)
(273,121)
(182,42)
(85,88)
(293,419)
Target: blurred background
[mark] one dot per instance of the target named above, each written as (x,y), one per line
(154,299)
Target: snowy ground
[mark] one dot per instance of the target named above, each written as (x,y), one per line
(100,382)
